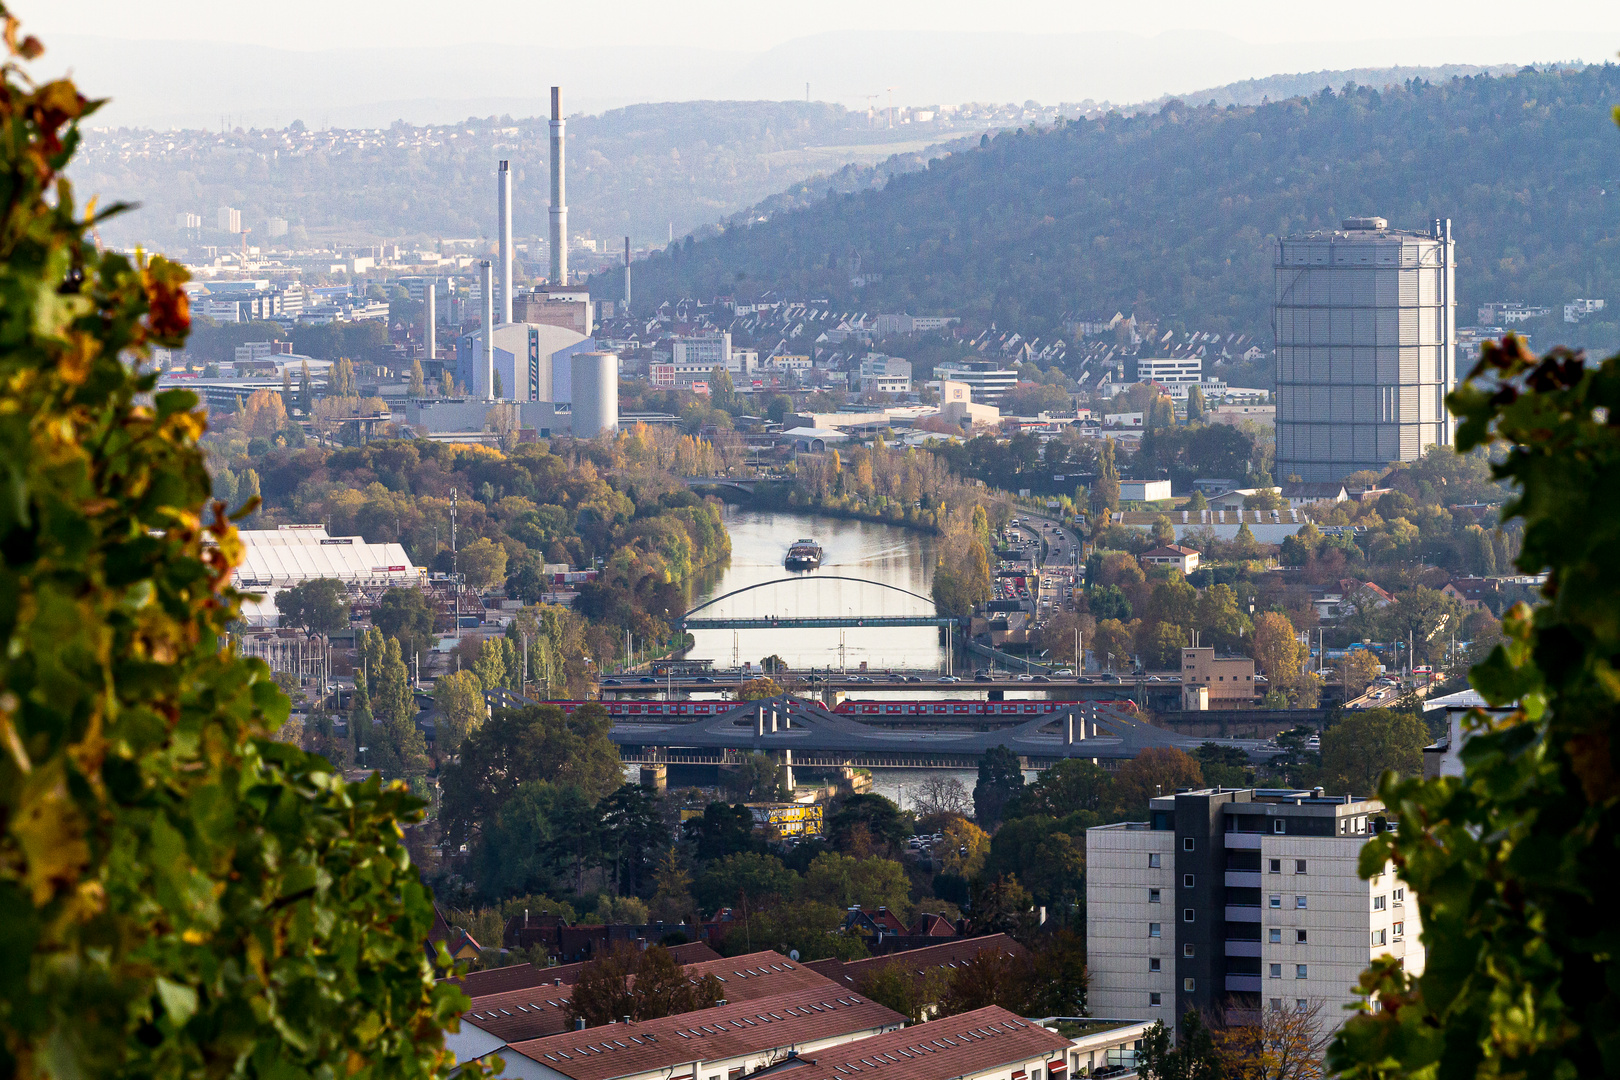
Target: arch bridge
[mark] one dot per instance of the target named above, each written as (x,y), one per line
(789,622)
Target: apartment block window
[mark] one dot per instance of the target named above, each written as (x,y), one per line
(1299,866)
(1153,896)
(1299,971)
(1301,1005)
(1189,985)
(1378,937)
(1378,903)
(1186,843)
(1187,950)
(1153,930)
(1154,964)
(1274,900)
(1279,826)
(1275,936)
(1153,862)
(1188,915)
(1186,881)
(1299,902)
(1398,895)
(1399,929)
(1276,1004)
(1276,866)
(1276,971)
(1153,999)
(1299,937)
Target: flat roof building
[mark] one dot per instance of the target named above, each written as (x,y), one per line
(1365,321)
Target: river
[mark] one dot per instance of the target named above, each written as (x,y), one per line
(883,560)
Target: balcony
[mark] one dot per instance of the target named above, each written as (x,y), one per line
(1243,984)
(1242,913)
(1243,841)
(1243,879)
(1242,948)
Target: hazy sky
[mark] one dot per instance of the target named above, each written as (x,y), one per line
(751,25)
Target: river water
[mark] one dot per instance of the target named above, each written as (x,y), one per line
(863,572)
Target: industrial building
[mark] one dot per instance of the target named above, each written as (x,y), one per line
(1365,322)
(530,362)
(1233,901)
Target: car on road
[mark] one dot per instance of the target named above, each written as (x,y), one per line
(949,678)
(611,682)
(913,678)
(981,677)
(703,679)
(1063,671)
(860,679)
(1040,678)
(647,679)
(1026,678)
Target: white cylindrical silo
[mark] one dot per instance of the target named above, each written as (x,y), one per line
(595,390)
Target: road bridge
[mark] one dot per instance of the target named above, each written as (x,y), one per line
(792,622)
(721,481)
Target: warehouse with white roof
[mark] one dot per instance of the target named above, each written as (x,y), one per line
(276,559)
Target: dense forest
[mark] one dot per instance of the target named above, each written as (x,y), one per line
(1172,214)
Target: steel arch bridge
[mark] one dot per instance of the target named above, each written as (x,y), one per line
(794,622)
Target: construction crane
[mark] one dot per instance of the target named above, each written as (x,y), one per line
(870,98)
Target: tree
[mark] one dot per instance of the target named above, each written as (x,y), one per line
(1158,770)
(516,746)
(723,829)
(398,748)
(341,382)
(1195,407)
(1365,743)
(264,415)
(1105,492)
(990,977)
(1195,1058)
(811,928)
(483,563)
(757,779)
(1001,777)
(1198,501)
(306,396)
(460,700)
(1361,667)
(1278,652)
(1112,645)
(643,984)
(418,385)
(872,883)
(758,690)
(965,848)
(1219,620)
(633,834)
(672,895)
(1070,785)
(1510,863)
(404,615)
(320,606)
(180,890)
(744,879)
(1287,1044)
(934,795)
(875,818)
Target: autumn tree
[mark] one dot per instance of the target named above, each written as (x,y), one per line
(483,563)
(183,895)
(1278,652)
(1288,1043)
(1158,770)
(459,697)
(264,415)
(642,984)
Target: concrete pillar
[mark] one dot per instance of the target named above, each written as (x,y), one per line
(759,720)
(655,777)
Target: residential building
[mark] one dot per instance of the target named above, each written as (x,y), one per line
(984,1044)
(1473,592)
(1509,313)
(888,325)
(1230,680)
(1238,414)
(1304,493)
(1232,901)
(885,375)
(1144,490)
(789,363)
(1181,558)
(726,1041)
(682,375)
(230,219)
(1365,319)
(988,380)
(1579,309)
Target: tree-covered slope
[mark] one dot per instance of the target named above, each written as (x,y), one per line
(1174,213)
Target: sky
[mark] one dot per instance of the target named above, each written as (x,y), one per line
(366,62)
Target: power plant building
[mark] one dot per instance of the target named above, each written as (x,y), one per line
(530,362)
(1365,323)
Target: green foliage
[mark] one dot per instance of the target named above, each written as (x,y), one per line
(404,615)
(845,881)
(1365,743)
(757,779)
(459,697)
(723,830)
(183,895)
(1193,1054)
(865,821)
(320,606)
(1047,857)
(811,927)
(643,984)
(743,879)
(1510,863)
(1174,209)
(1000,780)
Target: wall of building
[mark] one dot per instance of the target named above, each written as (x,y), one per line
(1119,949)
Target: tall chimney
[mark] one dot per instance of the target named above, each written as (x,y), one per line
(430,317)
(627,275)
(559,204)
(487,283)
(503,201)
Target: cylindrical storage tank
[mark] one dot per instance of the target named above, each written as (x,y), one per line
(595,390)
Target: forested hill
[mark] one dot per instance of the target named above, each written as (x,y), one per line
(1173,213)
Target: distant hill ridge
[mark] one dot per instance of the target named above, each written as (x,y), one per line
(1172,213)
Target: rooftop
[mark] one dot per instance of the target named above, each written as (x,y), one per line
(962,1045)
(725,1031)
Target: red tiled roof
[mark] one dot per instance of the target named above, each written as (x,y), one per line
(477,984)
(947,954)
(761,974)
(726,1031)
(961,1045)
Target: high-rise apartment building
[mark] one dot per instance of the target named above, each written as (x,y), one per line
(1232,901)
(1365,322)
(230,219)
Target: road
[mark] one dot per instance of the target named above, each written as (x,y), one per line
(1058,564)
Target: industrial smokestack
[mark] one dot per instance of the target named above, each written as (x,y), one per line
(503,201)
(430,317)
(627,275)
(559,204)
(487,362)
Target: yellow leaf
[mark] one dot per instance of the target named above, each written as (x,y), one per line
(50,832)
